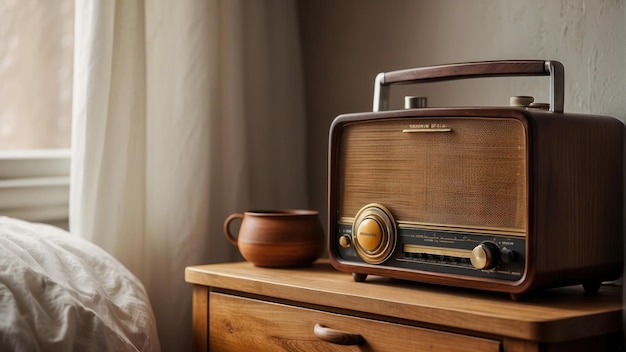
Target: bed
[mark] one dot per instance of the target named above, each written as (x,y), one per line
(60,292)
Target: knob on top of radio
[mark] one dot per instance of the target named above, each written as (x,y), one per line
(525,101)
(411,102)
(521,100)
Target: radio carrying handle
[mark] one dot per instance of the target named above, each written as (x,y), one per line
(554,69)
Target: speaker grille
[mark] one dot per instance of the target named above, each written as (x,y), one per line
(472,176)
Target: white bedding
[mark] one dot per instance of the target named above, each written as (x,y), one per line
(59,292)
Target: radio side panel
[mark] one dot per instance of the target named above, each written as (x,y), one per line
(578,198)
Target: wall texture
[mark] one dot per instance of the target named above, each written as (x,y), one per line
(346,43)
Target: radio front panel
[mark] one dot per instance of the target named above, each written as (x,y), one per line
(448,171)
(446,195)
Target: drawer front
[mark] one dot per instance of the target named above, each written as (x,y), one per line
(242,324)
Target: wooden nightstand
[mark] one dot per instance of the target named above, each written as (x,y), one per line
(239,307)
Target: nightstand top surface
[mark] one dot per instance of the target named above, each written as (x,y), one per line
(550,315)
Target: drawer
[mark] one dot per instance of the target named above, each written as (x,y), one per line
(243,324)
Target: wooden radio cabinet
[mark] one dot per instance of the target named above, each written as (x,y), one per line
(240,307)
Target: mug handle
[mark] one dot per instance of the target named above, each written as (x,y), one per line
(229,219)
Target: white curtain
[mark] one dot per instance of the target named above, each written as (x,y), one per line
(183,112)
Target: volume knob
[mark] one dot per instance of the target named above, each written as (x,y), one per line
(485,256)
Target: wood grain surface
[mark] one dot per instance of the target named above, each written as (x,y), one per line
(551,316)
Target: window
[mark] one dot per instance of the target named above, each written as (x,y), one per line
(36,64)
(36,58)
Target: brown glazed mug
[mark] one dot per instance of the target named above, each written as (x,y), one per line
(278,238)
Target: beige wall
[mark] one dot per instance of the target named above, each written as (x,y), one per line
(347,42)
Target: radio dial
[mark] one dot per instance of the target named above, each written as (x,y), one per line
(369,234)
(485,256)
(374,233)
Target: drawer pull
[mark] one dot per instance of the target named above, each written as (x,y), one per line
(337,337)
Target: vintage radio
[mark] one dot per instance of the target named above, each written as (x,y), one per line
(506,199)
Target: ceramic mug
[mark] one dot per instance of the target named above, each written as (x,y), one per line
(277,238)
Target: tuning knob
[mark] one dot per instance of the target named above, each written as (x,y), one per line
(485,256)
(374,233)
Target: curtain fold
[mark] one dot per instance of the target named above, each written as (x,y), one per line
(184,112)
